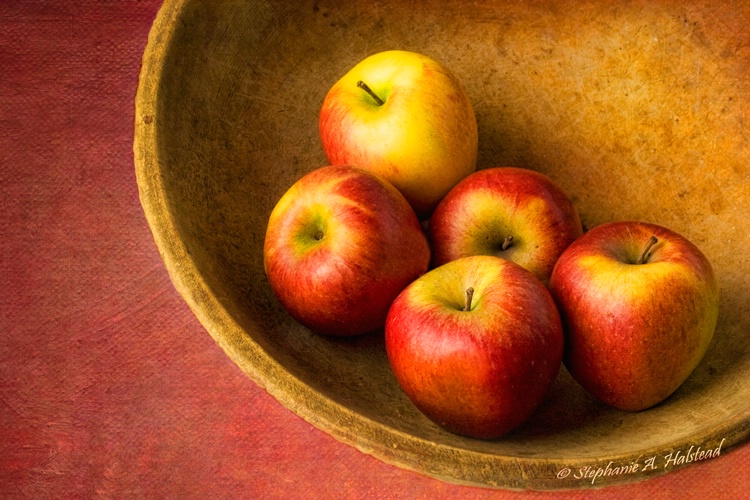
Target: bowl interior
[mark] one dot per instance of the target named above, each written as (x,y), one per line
(638,111)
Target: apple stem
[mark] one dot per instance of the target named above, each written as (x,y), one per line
(507,242)
(645,255)
(367,89)
(469,296)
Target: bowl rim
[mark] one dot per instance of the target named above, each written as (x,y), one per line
(390,445)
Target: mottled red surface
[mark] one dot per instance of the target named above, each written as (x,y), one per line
(109,387)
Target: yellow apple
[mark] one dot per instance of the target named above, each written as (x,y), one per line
(405,117)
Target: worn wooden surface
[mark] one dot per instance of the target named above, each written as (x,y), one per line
(109,386)
(639,111)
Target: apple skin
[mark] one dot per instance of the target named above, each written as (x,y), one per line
(423,139)
(340,245)
(478,373)
(483,209)
(634,332)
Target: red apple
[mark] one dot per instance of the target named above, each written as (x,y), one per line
(405,117)
(482,370)
(514,213)
(639,305)
(340,245)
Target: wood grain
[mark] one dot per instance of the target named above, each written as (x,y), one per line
(638,110)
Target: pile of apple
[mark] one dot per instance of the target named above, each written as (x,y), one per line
(483,280)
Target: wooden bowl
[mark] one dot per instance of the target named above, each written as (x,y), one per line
(639,110)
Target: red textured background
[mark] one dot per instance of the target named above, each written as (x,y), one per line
(109,387)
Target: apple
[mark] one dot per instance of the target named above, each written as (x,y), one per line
(514,213)
(475,344)
(639,305)
(405,117)
(340,245)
